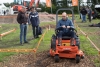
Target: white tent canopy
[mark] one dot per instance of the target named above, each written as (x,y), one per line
(2,8)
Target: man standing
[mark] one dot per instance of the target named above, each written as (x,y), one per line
(34,19)
(89,14)
(80,13)
(83,12)
(22,19)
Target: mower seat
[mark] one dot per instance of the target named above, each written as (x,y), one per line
(66,38)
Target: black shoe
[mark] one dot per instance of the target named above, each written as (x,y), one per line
(21,44)
(36,37)
(26,42)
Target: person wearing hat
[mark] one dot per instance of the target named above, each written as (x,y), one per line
(22,19)
(34,20)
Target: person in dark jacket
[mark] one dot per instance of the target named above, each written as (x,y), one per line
(83,12)
(34,20)
(22,19)
(65,23)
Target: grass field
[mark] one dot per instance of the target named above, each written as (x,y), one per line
(11,41)
(94,34)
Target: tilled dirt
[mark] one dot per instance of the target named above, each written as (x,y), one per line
(42,60)
(43,16)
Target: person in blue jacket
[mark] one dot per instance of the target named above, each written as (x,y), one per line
(65,24)
(90,14)
(34,20)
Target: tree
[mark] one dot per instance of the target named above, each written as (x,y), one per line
(42,6)
(7,4)
(12,4)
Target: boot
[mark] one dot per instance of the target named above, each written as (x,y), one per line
(72,42)
(59,41)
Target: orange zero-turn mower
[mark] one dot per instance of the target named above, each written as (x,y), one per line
(65,50)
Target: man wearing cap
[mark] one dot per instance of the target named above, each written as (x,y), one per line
(34,20)
(22,19)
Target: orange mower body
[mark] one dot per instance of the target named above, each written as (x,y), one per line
(65,50)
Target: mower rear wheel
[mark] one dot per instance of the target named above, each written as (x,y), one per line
(77,58)
(56,58)
(53,42)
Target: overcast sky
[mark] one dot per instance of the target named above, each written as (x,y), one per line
(9,1)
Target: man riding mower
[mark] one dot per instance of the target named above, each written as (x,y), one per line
(64,25)
(65,42)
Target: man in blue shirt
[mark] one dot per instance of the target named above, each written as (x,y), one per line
(34,19)
(65,24)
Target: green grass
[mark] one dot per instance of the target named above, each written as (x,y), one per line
(86,46)
(4,55)
(45,44)
(89,50)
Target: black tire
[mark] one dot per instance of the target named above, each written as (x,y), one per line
(53,42)
(82,57)
(56,57)
(77,58)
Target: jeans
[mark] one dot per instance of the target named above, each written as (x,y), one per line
(35,31)
(63,33)
(80,16)
(83,18)
(23,32)
(89,16)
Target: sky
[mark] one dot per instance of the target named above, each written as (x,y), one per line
(9,1)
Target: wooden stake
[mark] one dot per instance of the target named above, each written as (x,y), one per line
(3,34)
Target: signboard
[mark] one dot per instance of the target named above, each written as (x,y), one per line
(48,3)
(74,2)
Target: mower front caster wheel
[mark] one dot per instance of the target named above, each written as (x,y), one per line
(56,57)
(77,58)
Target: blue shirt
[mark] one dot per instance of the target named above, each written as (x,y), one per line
(66,23)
